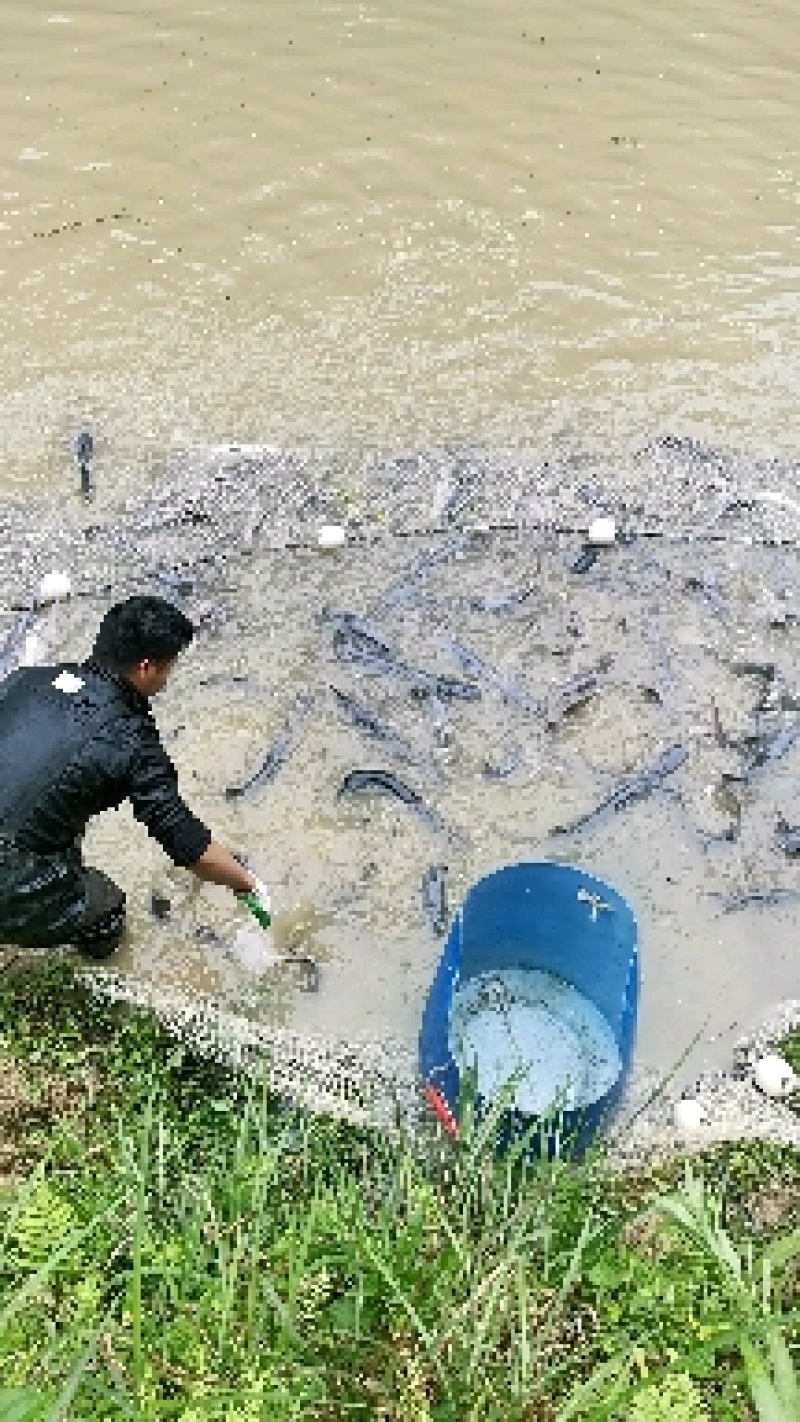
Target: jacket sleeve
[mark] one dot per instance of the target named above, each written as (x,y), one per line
(158,806)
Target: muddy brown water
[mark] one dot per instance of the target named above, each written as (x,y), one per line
(346,229)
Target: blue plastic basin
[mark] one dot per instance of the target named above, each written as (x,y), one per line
(550,917)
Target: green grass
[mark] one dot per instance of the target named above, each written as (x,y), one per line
(180,1245)
(789,1048)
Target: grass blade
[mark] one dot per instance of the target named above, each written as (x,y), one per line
(429,1340)
(60,1408)
(765,1398)
(21,1404)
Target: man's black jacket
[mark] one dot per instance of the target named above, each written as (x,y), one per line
(68,751)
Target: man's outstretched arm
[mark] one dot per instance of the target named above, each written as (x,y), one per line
(217,865)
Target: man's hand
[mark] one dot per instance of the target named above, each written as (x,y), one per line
(218,866)
(260,893)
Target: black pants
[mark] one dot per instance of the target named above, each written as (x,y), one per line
(49,899)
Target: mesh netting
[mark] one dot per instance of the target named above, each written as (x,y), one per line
(718,526)
(366,1083)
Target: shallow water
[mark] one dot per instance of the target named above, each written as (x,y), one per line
(348,870)
(346,229)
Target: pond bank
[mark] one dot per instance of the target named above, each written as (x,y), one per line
(735,1108)
(374,1084)
(195,1248)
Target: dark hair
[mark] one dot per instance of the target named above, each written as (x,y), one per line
(141,627)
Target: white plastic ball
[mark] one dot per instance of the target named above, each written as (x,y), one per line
(55,586)
(689,1115)
(775,1077)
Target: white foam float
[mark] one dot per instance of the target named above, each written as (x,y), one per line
(774,1076)
(602,532)
(331,535)
(689,1115)
(55,586)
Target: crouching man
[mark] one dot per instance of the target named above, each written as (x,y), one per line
(77,739)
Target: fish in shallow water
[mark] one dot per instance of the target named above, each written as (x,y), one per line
(575,692)
(764,670)
(407,591)
(175,583)
(357,641)
(731,903)
(445,553)
(788,836)
(773,694)
(366,720)
(782,616)
(512,761)
(500,604)
(11,650)
(83,450)
(686,447)
(459,499)
(278,753)
(449,688)
(443,733)
(585,560)
(707,585)
(434,897)
(475,666)
(636,787)
(385,783)
(776,746)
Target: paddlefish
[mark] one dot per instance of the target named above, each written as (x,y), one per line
(83,450)
(585,560)
(777,746)
(352,634)
(407,591)
(774,694)
(277,754)
(688,448)
(707,585)
(443,733)
(511,762)
(636,787)
(500,604)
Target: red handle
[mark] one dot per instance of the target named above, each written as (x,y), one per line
(441,1111)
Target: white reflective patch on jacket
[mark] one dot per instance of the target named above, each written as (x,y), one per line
(65,681)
